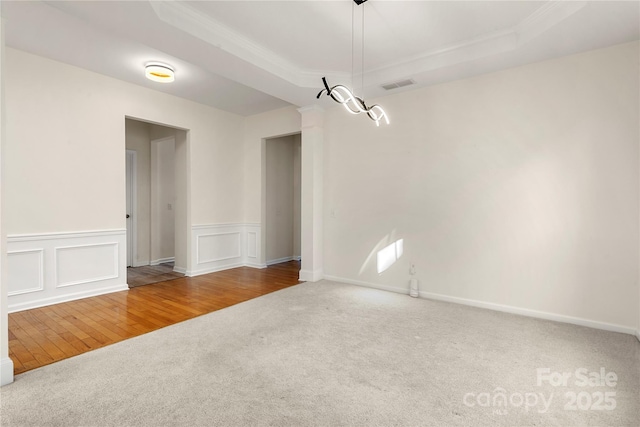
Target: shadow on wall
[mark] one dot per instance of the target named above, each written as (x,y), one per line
(386,252)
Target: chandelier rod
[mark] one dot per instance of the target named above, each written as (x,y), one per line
(362,57)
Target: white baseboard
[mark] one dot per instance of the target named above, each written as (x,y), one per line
(65,298)
(162,261)
(259,266)
(6,371)
(532,313)
(180,270)
(200,272)
(368,285)
(499,307)
(140,263)
(311,276)
(280,260)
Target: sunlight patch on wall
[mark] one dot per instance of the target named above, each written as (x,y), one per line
(389,255)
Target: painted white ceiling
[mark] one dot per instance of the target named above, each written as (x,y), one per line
(252,56)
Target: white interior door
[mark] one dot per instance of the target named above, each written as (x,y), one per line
(131,190)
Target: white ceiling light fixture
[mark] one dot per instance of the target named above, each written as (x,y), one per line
(343,95)
(159,72)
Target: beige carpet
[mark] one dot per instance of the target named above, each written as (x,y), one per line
(328,354)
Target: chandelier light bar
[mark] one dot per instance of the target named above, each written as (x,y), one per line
(345,96)
(355,105)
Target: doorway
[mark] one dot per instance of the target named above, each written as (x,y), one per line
(156,216)
(283,199)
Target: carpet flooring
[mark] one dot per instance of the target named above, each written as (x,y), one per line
(328,354)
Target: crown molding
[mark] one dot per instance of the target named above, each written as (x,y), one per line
(548,15)
(544,18)
(212,31)
(189,20)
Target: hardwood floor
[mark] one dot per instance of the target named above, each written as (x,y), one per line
(45,335)
(140,276)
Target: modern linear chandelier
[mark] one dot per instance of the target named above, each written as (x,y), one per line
(345,96)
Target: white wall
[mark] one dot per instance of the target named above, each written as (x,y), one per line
(163,199)
(517,188)
(281,122)
(281,198)
(159,132)
(65,133)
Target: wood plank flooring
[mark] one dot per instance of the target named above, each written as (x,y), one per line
(45,335)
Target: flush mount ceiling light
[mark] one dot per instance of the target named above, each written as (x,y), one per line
(345,96)
(159,72)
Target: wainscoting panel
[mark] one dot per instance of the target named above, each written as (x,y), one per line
(253,244)
(217,247)
(52,268)
(25,271)
(76,265)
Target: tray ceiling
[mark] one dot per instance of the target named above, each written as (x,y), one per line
(252,56)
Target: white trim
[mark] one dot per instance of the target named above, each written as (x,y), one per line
(66,297)
(249,254)
(40,276)
(280,260)
(223,225)
(102,275)
(216,33)
(65,235)
(6,371)
(134,209)
(498,307)
(180,270)
(140,263)
(252,250)
(162,261)
(531,313)
(254,265)
(310,276)
(368,285)
(213,269)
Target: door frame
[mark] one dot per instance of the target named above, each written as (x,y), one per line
(132,235)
